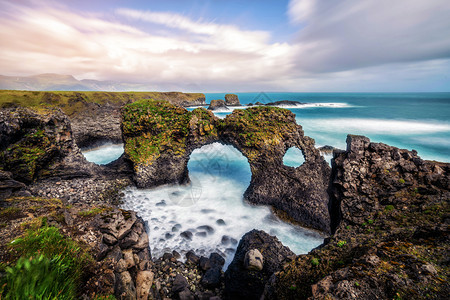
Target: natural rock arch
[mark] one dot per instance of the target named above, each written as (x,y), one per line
(159,138)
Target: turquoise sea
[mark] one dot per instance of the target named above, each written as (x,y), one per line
(419,121)
(212,207)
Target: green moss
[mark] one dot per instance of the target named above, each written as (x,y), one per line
(28,155)
(341,243)
(92,212)
(152,127)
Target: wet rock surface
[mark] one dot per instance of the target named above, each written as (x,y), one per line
(391,220)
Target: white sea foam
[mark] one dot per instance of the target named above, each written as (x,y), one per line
(214,199)
(317,105)
(378,126)
(104,154)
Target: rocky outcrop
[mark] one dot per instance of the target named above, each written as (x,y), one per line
(125,244)
(391,238)
(258,256)
(94,116)
(217,105)
(232,100)
(263,135)
(159,138)
(39,145)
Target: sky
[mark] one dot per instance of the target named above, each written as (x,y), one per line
(230,45)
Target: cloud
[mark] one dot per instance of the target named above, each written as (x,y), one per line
(44,39)
(340,35)
(341,45)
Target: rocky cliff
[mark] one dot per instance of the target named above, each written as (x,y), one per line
(392,231)
(94,116)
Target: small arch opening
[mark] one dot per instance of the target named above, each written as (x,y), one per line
(293,157)
(104,154)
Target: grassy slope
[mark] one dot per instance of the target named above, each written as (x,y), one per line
(73,102)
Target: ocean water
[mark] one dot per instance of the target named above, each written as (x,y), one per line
(212,206)
(419,121)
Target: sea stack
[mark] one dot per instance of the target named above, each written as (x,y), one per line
(232,100)
(217,104)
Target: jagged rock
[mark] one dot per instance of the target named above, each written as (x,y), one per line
(179,284)
(9,186)
(125,288)
(217,104)
(253,260)
(244,283)
(144,281)
(192,258)
(37,145)
(232,100)
(117,223)
(380,227)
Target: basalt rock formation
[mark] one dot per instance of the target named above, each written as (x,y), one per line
(232,100)
(159,138)
(391,241)
(39,145)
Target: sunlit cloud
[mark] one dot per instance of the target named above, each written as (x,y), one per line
(339,46)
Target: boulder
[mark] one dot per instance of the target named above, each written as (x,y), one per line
(242,282)
(253,260)
(179,283)
(232,100)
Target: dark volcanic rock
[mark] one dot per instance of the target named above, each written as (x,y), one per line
(285,103)
(262,134)
(232,100)
(217,104)
(37,145)
(391,230)
(242,283)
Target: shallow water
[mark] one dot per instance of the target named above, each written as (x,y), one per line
(211,208)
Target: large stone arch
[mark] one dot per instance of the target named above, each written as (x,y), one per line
(159,138)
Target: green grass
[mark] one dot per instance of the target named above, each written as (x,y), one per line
(49,266)
(74,102)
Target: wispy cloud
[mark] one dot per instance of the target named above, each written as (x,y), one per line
(339,45)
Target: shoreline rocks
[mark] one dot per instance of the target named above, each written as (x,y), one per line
(258,256)
(217,105)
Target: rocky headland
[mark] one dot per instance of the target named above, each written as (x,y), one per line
(385,209)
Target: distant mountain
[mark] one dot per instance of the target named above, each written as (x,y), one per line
(56,82)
